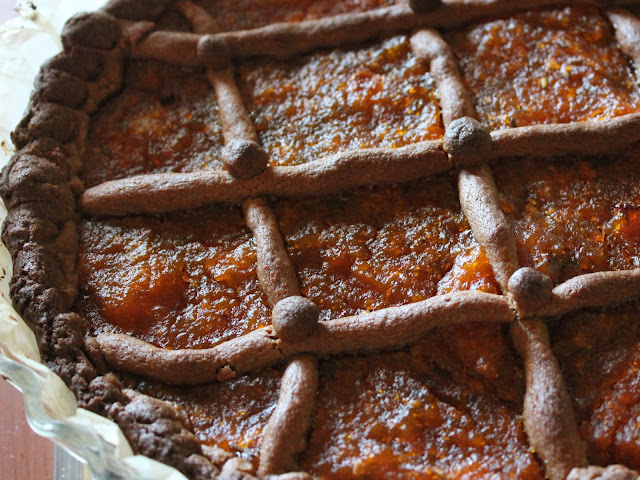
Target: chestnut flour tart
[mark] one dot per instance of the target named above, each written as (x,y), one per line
(341,239)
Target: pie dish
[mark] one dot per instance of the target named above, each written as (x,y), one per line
(294,242)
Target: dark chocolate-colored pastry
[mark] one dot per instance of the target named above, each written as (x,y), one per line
(341,239)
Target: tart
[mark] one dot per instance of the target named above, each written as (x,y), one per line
(354,239)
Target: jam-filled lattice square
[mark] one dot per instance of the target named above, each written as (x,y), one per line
(599,352)
(437,410)
(383,246)
(185,280)
(344,99)
(548,66)
(164,120)
(557,231)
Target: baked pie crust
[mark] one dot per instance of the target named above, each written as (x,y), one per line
(493,271)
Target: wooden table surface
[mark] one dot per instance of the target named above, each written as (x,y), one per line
(23,454)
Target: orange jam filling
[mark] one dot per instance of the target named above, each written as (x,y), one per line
(185,280)
(328,102)
(383,246)
(573,216)
(231,415)
(599,352)
(448,408)
(552,66)
(246,14)
(165,120)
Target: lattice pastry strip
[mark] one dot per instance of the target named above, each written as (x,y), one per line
(384,329)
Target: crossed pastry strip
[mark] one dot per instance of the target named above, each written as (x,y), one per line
(295,334)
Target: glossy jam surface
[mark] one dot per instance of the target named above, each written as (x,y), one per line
(231,415)
(599,352)
(329,102)
(573,216)
(165,120)
(247,14)
(551,66)
(449,408)
(383,246)
(184,280)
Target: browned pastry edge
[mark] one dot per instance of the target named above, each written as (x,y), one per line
(276,274)
(96,73)
(548,416)
(455,100)
(50,120)
(157,429)
(598,289)
(481,206)
(389,328)
(94,30)
(39,187)
(627,30)
(285,435)
(589,138)
(174,191)
(612,472)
